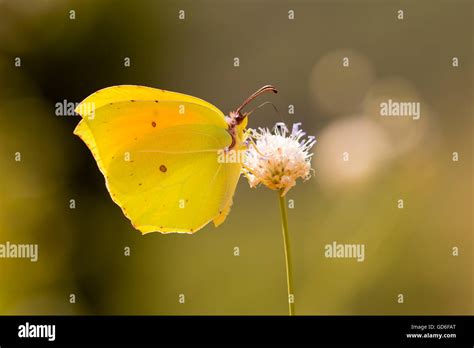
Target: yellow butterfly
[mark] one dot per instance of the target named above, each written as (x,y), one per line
(159,153)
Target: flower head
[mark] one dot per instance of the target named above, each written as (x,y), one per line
(276,159)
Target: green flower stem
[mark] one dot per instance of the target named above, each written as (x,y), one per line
(286,241)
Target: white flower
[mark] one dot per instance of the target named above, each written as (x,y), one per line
(277,159)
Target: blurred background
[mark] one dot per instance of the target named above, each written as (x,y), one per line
(68,55)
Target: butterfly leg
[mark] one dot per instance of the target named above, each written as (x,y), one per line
(246,171)
(252,142)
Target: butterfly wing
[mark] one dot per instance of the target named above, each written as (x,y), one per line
(122,93)
(160,160)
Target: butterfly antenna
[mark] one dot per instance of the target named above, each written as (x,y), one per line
(263,104)
(264,89)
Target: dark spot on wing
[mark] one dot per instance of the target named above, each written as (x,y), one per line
(163,168)
(153,124)
(132,100)
(156,101)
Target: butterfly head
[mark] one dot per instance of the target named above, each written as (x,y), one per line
(236,117)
